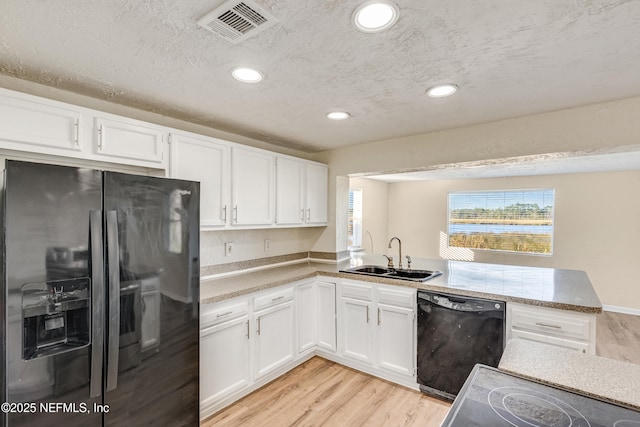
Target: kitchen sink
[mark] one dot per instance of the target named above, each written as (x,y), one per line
(392,273)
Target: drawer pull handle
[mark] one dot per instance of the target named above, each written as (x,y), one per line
(258,326)
(225,314)
(547,325)
(278,298)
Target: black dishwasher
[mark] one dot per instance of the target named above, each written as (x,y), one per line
(454,334)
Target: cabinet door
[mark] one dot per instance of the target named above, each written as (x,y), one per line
(39,126)
(274,338)
(289,191)
(129,139)
(224,360)
(356,329)
(306,316)
(252,183)
(396,339)
(326,315)
(317,180)
(206,161)
(150,324)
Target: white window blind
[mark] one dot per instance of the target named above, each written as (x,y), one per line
(355,219)
(514,221)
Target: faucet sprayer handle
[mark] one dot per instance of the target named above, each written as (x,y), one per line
(408,262)
(389,261)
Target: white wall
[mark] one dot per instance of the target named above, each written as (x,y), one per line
(375,196)
(599,128)
(597,227)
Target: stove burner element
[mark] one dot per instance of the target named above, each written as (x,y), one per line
(521,406)
(626,423)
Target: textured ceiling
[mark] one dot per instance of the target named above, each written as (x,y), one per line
(510,58)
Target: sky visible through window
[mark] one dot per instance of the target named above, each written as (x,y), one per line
(500,199)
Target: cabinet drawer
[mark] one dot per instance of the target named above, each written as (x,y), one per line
(217,313)
(397,297)
(273,298)
(581,347)
(357,291)
(551,323)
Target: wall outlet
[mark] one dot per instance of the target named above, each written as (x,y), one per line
(228,248)
(267,245)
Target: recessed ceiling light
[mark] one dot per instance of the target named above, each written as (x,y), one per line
(374,16)
(338,115)
(441,91)
(247,75)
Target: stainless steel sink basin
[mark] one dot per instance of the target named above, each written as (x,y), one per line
(369,269)
(408,274)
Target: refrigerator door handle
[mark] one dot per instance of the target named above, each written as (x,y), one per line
(97,298)
(113,262)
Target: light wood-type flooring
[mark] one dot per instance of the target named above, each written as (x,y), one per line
(323,393)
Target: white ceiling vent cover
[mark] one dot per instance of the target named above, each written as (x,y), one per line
(237,20)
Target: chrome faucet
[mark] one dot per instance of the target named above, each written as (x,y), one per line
(399,250)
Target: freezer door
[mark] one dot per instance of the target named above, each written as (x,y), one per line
(152,228)
(50,291)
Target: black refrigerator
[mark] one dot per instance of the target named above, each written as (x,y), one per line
(99,301)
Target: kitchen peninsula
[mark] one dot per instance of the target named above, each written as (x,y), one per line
(278,317)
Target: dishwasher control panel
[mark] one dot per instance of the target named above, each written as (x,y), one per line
(469,304)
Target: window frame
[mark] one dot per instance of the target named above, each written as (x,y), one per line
(506,251)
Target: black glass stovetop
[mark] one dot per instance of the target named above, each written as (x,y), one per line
(491,398)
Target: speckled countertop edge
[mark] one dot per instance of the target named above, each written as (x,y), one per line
(227,287)
(610,380)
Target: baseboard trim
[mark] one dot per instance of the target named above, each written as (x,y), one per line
(623,310)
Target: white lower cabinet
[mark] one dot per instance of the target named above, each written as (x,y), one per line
(224,360)
(396,339)
(377,325)
(224,351)
(306,316)
(357,329)
(274,338)
(247,341)
(572,330)
(326,315)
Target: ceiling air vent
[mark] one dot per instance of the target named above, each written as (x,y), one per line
(237,20)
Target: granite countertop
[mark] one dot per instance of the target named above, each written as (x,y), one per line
(607,379)
(548,287)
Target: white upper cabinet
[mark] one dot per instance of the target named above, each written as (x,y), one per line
(39,125)
(35,124)
(289,191)
(129,139)
(252,186)
(317,179)
(301,192)
(240,186)
(205,160)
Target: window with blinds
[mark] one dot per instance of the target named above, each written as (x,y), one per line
(355,219)
(514,221)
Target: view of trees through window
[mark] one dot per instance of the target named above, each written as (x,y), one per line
(516,221)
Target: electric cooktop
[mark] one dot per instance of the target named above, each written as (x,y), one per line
(491,398)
